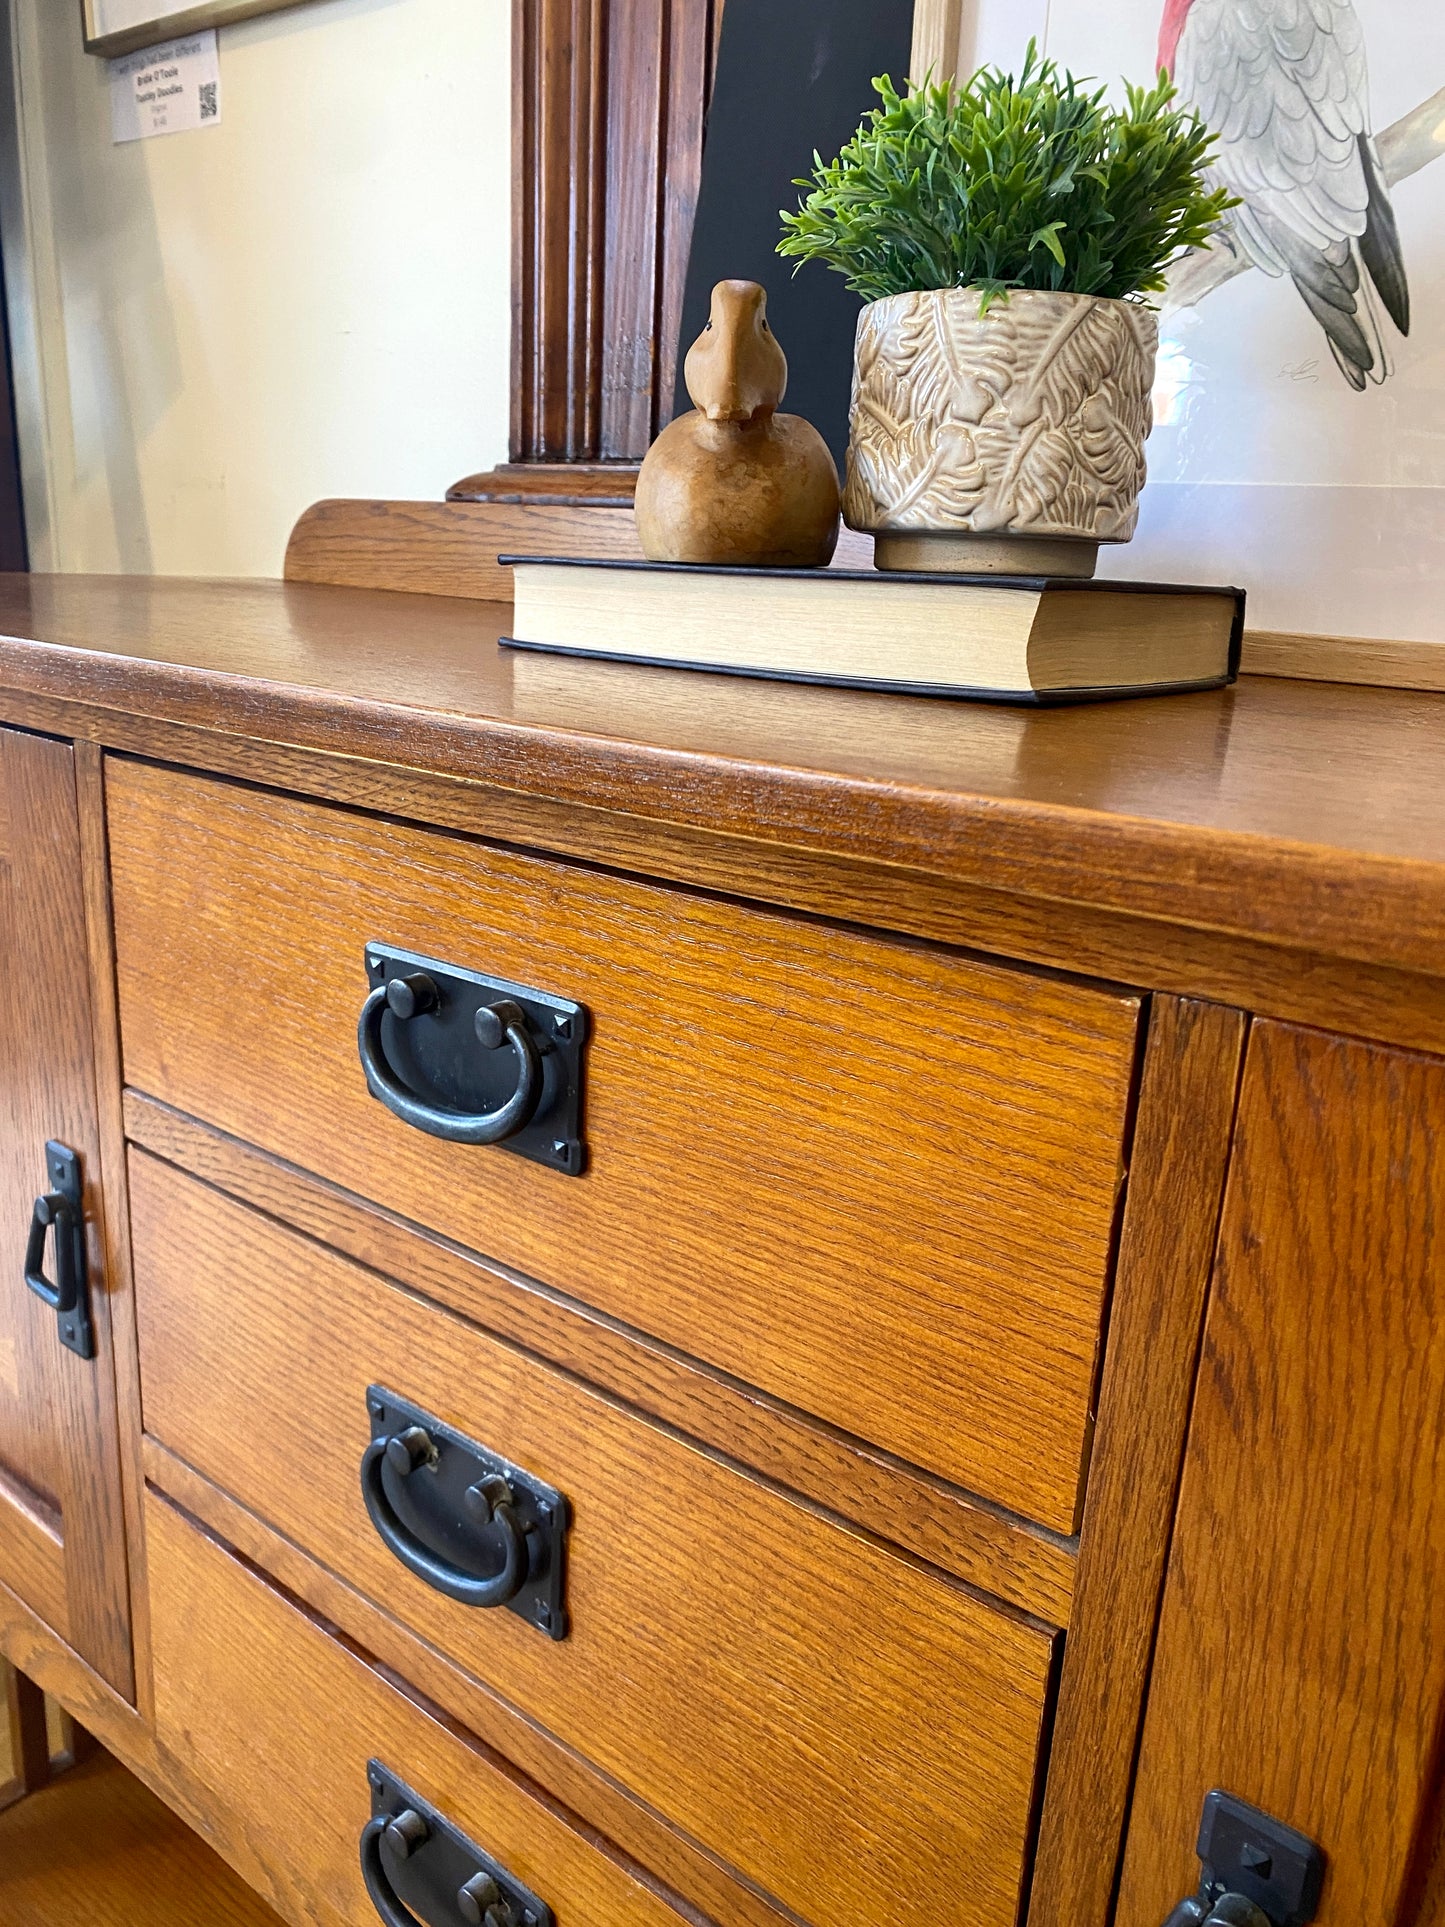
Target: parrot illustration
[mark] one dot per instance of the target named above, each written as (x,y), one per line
(1284,86)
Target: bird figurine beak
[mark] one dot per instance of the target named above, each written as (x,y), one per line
(735,370)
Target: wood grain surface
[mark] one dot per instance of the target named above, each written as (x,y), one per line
(96,1846)
(446,548)
(1301,1652)
(24,1741)
(570,484)
(928,1275)
(1359,659)
(1297,814)
(58,1441)
(32,1548)
(1300,985)
(996,1551)
(450,548)
(599,1802)
(278,1721)
(85,1697)
(114,1225)
(1176,1182)
(724,1639)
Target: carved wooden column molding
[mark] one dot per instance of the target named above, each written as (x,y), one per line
(608,102)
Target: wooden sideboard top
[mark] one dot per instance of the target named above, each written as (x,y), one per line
(1304,814)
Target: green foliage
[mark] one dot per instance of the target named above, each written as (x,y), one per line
(1027,182)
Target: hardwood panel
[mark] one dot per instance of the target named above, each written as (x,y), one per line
(58,1412)
(690,1673)
(33,1648)
(114,1229)
(450,549)
(85,1697)
(1305,986)
(279,1721)
(98,1846)
(1181,1150)
(927,1276)
(1301,1652)
(1000,1554)
(1302,815)
(32,1551)
(598,1801)
(1360,659)
(24,1742)
(446,548)
(570,484)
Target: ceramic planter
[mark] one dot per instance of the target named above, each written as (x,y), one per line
(1009,441)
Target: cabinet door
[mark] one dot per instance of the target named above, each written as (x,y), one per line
(1301,1653)
(62,1542)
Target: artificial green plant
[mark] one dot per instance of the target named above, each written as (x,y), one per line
(1027,181)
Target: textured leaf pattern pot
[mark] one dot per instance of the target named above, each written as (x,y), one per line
(1008,440)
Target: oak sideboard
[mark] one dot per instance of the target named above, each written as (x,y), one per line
(637,1298)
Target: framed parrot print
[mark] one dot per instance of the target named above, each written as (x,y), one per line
(1299,441)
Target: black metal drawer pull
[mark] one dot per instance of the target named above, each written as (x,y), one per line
(420,1871)
(431,1038)
(470,1524)
(1255,1871)
(62,1209)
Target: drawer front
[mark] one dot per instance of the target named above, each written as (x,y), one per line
(819,1712)
(874,1179)
(278,1723)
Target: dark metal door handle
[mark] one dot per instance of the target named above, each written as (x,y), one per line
(473,1526)
(421,1871)
(1230,1910)
(494,1512)
(52,1209)
(378,1886)
(474,1059)
(62,1210)
(503,1022)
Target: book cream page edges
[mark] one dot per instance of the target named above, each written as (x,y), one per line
(1086,638)
(781,624)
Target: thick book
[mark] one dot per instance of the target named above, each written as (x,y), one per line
(1031,639)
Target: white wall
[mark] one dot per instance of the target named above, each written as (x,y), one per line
(309,299)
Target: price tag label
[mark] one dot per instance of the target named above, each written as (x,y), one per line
(166,90)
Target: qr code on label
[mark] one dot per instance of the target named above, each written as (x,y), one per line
(206,94)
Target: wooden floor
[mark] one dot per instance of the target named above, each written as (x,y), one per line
(95,1849)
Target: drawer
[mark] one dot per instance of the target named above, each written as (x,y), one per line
(278,1723)
(874,1179)
(829,1718)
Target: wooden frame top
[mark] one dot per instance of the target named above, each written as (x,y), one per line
(1310,815)
(172,21)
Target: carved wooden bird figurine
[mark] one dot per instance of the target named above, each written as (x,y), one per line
(734,481)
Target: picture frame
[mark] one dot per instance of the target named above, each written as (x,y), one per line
(113,27)
(1265,466)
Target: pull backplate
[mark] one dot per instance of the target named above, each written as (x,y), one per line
(62,1210)
(435,1055)
(425,1869)
(428,1515)
(1253,1869)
